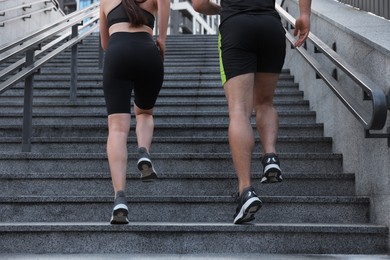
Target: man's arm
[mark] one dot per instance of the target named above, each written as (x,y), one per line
(206,7)
(302,24)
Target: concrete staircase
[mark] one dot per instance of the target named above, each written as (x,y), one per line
(58,198)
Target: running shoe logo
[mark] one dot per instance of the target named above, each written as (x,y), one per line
(251,193)
(271,159)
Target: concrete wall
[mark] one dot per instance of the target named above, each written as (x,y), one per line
(363,40)
(19,28)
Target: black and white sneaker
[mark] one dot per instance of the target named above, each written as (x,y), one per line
(271,166)
(120,211)
(145,166)
(248,204)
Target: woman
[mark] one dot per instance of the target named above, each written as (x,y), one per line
(133,63)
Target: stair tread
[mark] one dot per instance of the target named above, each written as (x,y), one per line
(194,226)
(180,199)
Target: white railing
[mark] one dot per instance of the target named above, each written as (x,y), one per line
(378,7)
(201,24)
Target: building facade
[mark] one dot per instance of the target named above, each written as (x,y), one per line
(183,20)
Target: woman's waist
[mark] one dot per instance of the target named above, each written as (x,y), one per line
(126,39)
(126,27)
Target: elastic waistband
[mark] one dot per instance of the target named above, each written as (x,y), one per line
(131,35)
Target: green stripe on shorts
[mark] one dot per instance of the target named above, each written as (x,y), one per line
(221,69)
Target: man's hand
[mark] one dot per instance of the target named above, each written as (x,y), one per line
(302,29)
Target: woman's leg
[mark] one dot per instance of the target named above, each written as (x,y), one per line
(118,131)
(144,131)
(144,126)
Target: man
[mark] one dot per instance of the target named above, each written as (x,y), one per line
(252,50)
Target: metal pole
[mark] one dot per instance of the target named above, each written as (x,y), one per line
(73,67)
(27,108)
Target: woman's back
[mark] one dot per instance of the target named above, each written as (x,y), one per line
(108,6)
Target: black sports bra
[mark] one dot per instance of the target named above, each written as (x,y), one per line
(119,15)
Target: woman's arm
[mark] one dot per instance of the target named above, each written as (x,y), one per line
(302,24)
(103,27)
(206,7)
(164,8)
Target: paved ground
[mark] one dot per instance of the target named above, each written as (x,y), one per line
(189,257)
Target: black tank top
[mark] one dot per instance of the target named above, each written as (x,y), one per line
(119,15)
(234,7)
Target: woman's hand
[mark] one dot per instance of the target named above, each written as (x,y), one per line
(161,45)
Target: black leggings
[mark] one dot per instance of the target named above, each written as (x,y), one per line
(132,61)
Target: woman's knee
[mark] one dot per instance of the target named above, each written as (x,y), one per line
(139,111)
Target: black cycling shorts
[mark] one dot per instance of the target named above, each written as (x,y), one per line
(251,43)
(132,62)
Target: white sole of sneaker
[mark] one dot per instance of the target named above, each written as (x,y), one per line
(272,174)
(119,214)
(146,168)
(248,210)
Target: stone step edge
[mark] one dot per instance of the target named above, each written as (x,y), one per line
(45,200)
(162,176)
(193,227)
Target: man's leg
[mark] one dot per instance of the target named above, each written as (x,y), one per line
(238,91)
(267,120)
(239,94)
(267,123)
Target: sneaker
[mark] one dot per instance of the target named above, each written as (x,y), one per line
(120,211)
(248,205)
(271,165)
(145,166)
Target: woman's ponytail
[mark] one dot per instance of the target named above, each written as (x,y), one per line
(134,12)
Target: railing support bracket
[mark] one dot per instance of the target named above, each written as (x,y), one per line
(368,134)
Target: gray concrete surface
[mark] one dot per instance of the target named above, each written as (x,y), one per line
(192,257)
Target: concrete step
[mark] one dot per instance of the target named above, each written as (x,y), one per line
(162,144)
(160,130)
(167,64)
(189,117)
(204,209)
(165,95)
(210,256)
(185,238)
(161,105)
(92,85)
(169,184)
(164,162)
(52,78)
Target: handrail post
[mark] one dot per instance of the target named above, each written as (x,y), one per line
(73,67)
(28,102)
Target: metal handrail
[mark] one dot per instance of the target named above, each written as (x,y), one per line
(82,23)
(37,64)
(26,15)
(379,7)
(65,19)
(374,121)
(54,30)
(29,5)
